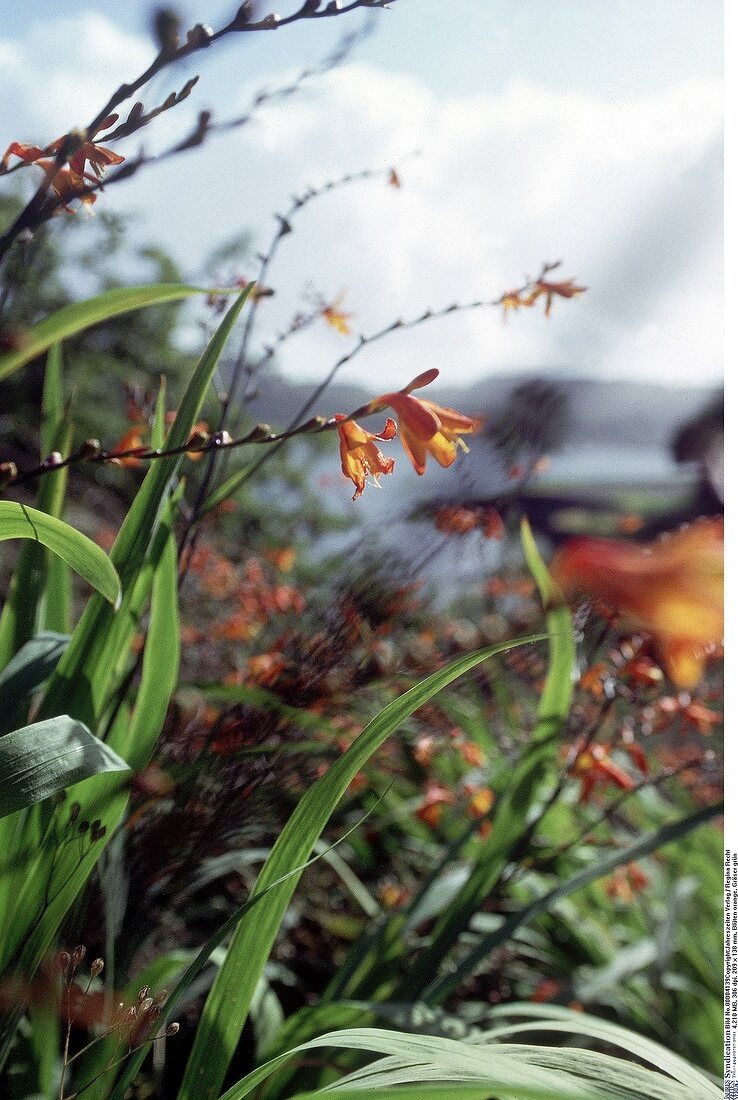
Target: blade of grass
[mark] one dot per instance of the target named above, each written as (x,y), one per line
(79,316)
(439,989)
(516,798)
(229,1002)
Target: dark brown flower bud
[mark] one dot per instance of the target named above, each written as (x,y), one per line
(167,25)
(8,472)
(89,449)
(199,37)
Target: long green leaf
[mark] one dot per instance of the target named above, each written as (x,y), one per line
(47,757)
(84,676)
(464,967)
(508,1070)
(31,667)
(18,521)
(30,586)
(515,800)
(87,677)
(78,316)
(229,1002)
(56,435)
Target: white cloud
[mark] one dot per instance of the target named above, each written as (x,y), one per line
(626,191)
(62,71)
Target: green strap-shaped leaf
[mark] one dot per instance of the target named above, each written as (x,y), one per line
(45,758)
(513,1071)
(18,521)
(31,667)
(40,591)
(84,676)
(55,612)
(229,1001)
(75,318)
(521,789)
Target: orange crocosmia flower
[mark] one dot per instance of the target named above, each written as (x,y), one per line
(672,588)
(282,558)
(481,800)
(131,441)
(360,455)
(565,289)
(69,180)
(471,753)
(427,428)
(454,519)
(337,318)
(626,882)
(493,525)
(595,765)
(436,796)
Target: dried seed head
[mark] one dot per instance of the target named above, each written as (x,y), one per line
(161,997)
(78,954)
(172,1029)
(146,1004)
(143,993)
(64,960)
(97,968)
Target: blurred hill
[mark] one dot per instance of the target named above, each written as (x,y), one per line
(617,413)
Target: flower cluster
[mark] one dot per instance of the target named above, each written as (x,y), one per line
(425,429)
(69,182)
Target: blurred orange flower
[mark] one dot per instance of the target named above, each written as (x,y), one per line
(337,318)
(131,441)
(626,882)
(594,765)
(360,455)
(673,588)
(436,796)
(427,428)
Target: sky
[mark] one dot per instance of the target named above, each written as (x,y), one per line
(585,130)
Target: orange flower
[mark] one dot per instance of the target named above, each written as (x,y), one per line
(360,455)
(595,765)
(69,180)
(427,428)
(565,289)
(481,800)
(625,883)
(436,796)
(337,318)
(131,441)
(673,588)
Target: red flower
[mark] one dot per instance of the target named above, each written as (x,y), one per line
(360,455)
(427,428)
